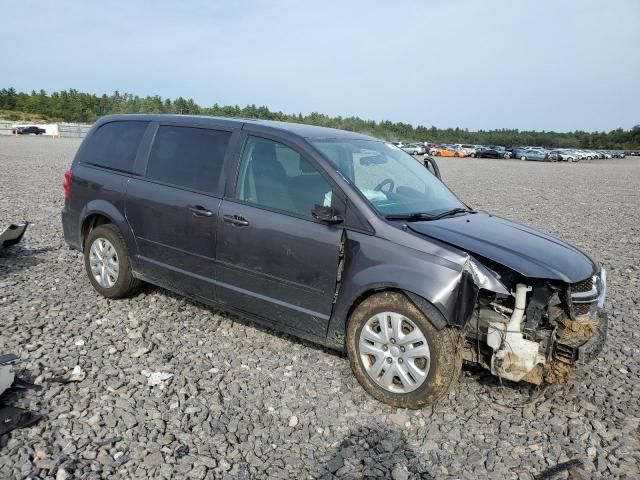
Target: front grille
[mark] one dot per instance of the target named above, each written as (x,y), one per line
(584,296)
(583,286)
(581,308)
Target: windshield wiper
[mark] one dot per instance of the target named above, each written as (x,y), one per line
(421,216)
(453,211)
(411,217)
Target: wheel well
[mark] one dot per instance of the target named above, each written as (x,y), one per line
(432,314)
(92,221)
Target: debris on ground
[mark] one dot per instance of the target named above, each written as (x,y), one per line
(75,375)
(557,372)
(156,379)
(13,417)
(13,234)
(551,472)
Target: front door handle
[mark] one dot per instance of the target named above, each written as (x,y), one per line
(199,211)
(237,220)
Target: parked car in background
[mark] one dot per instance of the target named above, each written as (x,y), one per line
(445,151)
(332,236)
(576,154)
(469,150)
(532,154)
(31,131)
(563,156)
(414,149)
(493,152)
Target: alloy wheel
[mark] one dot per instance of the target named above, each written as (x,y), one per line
(103,260)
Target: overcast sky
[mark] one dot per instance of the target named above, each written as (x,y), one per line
(538,64)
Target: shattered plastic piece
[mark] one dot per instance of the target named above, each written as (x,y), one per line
(75,375)
(7,375)
(14,417)
(79,342)
(156,378)
(13,234)
(25,384)
(556,469)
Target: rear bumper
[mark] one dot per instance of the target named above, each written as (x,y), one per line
(70,229)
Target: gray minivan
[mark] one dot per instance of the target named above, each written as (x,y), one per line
(335,237)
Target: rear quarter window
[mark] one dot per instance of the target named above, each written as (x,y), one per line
(188,157)
(114,145)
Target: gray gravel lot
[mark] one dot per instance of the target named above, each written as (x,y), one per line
(246,402)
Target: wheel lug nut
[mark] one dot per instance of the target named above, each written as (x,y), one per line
(402,349)
(389,360)
(384,347)
(400,360)
(393,340)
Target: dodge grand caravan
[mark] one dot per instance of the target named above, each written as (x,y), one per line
(336,237)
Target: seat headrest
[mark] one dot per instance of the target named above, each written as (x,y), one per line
(264,150)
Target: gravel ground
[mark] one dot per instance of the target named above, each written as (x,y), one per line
(245,402)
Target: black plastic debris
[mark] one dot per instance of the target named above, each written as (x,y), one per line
(13,234)
(551,472)
(13,417)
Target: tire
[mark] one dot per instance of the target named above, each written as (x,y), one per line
(124,284)
(441,371)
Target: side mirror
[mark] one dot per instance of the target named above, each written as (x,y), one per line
(431,165)
(326,215)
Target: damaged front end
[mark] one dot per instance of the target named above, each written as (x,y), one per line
(538,330)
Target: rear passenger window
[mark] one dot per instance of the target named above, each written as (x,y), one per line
(114,145)
(188,157)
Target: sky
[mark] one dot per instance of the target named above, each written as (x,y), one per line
(558,65)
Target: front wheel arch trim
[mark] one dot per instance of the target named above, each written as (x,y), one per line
(435,317)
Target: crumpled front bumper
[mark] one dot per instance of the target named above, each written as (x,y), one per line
(589,350)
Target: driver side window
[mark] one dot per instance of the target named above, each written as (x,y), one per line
(275,176)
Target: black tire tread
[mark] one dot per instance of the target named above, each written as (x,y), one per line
(127,284)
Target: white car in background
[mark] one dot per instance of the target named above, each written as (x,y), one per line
(414,149)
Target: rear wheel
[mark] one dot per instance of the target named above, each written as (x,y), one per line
(397,355)
(107,263)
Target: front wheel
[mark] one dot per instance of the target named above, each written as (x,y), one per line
(523,158)
(107,263)
(397,355)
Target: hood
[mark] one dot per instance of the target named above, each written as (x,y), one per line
(524,250)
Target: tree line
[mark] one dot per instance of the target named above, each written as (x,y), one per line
(79,107)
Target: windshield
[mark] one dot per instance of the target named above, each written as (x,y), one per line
(391,179)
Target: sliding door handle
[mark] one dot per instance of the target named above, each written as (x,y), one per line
(237,220)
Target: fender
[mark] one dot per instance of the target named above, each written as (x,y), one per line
(431,282)
(116,217)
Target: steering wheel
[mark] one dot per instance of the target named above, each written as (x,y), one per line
(386,181)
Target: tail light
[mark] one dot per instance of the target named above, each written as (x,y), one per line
(68,176)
